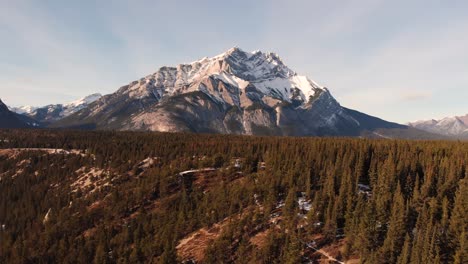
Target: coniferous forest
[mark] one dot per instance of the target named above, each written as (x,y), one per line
(136,197)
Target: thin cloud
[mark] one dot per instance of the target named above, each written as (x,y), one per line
(416,96)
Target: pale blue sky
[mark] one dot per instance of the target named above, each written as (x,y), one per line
(398,60)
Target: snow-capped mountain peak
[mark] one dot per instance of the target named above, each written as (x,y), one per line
(449,126)
(55,112)
(26,109)
(264,72)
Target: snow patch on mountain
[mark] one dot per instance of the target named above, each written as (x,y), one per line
(84,101)
(79,104)
(23,109)
(232,80)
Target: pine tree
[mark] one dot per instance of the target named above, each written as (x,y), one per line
(396,229)
(169,255)
(290,203)
(461,254)
(405,254)
(292,253)
(101,254)
(459,219)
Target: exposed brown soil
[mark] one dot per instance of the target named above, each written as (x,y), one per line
(193,247)
(330,253)
(259,240)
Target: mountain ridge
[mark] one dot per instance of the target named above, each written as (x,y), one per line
(454,126)
(53,112)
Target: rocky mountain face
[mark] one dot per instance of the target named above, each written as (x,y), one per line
(10,119)
(53,112)
(456,126)
(236,92)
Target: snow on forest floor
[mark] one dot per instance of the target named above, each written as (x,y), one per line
(304,204)
(14,152)
(183,173)
(148,162)
(90,179)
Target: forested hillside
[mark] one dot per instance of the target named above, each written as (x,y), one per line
(134,197)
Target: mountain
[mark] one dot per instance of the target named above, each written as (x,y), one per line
(456,126)
(26,109)
(236,92)
(54,112)
(9,119)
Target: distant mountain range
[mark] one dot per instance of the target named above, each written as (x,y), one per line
(53,112)
(9,119)
(236,92)
(456,126)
